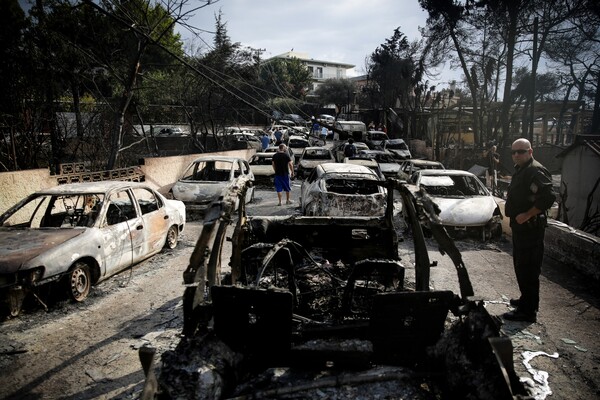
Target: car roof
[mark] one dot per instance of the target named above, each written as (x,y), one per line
(396,141)
(91,187)
(445,172)
(217,158)
(316,148)
(417,161)
(344,167)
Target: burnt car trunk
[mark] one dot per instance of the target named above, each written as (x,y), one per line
(318,307)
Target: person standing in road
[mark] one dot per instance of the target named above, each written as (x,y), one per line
(350,148)
(493,160)
(283,167)
(530,195)
(278,136)
(265,140)
(324,133)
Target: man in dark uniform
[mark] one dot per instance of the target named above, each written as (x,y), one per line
(283,167)
(530,195)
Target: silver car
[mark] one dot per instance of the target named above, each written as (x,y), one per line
(208,178)
(81,233)
(466,206)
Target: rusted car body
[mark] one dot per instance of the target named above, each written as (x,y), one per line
(341,189)
(319,307)
(311,157)
(208,178)
(466,206)
(82,233)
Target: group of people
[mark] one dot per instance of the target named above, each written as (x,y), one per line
(266,140)
(379,127)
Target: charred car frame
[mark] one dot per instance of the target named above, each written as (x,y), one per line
(316,304)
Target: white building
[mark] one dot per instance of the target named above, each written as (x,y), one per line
(320,70)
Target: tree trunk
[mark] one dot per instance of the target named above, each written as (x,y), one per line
(596,115)
(506,99)
(116,133)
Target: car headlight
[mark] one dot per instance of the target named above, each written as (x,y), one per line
(32,276)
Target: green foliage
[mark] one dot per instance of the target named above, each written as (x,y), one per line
(285,78)
(394,70)
(336,91)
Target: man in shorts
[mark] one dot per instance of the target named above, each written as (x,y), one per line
(283,167)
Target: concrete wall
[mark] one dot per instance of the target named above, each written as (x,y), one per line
(14,186)
(160,173)
(573,248)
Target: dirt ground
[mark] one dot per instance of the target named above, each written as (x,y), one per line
(90,350)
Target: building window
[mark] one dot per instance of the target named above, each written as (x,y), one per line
(319,74)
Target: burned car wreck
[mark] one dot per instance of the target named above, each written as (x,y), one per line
(319,307)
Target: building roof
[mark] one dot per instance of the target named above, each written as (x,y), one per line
(304,57)
(590,141)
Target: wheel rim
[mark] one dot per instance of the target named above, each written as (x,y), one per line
(80,284)
(172,237)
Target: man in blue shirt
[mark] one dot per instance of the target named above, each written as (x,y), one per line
(278,135)
(265,141)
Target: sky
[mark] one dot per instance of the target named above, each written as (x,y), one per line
(346,31)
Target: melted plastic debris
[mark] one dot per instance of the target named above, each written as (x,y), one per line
(541,389)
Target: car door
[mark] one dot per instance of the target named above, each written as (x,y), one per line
(155,223)
(121,232)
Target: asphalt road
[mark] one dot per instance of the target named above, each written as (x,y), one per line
(89,350)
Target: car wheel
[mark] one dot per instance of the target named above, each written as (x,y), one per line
(79,281)
(172,237)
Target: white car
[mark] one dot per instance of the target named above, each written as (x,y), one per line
(409,167)
(81,233)
(311,157)
(398,149)
(466,206)
(376,139)
(340,189)
(297,144)
(208,177)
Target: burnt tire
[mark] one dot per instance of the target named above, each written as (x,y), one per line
(79,281)
(172,238)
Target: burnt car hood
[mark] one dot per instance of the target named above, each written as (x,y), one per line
(262,170)
(198,191)
(308,164)
(21,245)
(470,211)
